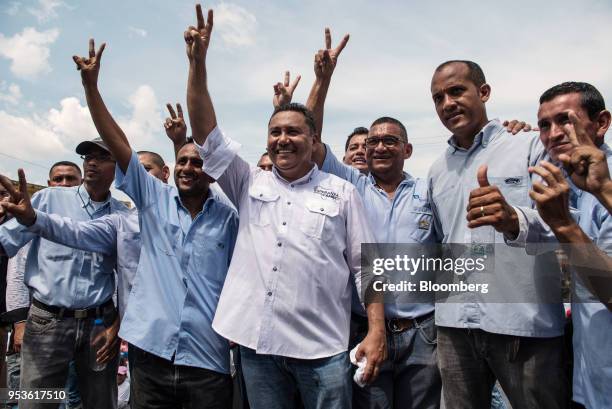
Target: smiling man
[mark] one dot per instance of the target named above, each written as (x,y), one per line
(571,116)
(187,238)
(396,205)
(355,149)
(297,251)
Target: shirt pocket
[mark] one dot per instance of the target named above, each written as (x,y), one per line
(262,201)
(422,218)
(128,249)
(318,213)
(514,189)
(169,239)
(58,252)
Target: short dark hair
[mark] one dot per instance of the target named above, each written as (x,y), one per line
(295,107)
(590,98)
(360,130)
(188,141)
(389,120)
(264,154)
(157,159)
(475,73)
(65,163)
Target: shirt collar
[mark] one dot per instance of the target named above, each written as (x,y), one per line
(86,199)
(210,198)
(486,135)
(301,181)
(408,180)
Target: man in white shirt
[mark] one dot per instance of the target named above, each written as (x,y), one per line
(286,299)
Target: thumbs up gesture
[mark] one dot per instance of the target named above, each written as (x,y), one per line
(488,207)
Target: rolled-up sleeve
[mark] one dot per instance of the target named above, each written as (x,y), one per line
(222,162)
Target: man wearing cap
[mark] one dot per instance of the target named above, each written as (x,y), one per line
(70,288)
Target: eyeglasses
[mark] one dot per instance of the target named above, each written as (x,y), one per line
(388,141)
(97,158)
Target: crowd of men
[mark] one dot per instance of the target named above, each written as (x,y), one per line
(272,267)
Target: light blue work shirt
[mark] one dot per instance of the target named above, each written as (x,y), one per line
(407,218)
(183,264)
(116,235)
(59,275)
(592,321)
(592,385)
(451,179)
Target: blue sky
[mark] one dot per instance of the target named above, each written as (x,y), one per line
(524,47)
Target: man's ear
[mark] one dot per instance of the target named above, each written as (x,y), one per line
(485,92)
(603,123)
(408,150)
(165,173)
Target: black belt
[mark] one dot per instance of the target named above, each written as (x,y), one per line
(93,312)
(397,325)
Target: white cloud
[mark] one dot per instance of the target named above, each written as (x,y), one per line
(137,31)
(54,134)
(28,137)
(13,8)
(10,93)
(235,25)
(28,51)
(46,10)
(72,122)
(145,119)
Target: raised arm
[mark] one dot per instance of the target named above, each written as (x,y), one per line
(592,264)
(324,64)
(199,104)
(283,91)
(108,129)
(587,165)
(175,126)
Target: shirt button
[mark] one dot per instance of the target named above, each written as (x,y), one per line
(284,223)
(279,244)
(261,195)
(274,268)
(322,209)
(288,203)
(269,293)
(292,186)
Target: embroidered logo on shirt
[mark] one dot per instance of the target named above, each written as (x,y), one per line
(326,193)
(424,224)
(513,181)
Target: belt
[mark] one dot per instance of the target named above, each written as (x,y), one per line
(93,312)
(397,325)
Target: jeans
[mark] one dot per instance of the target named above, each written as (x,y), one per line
(531,371)
(159,384)
(272,381)
(49,344)
(13,363)
(72,388)
(409,378)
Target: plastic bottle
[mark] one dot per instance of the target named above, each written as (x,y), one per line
(96,341)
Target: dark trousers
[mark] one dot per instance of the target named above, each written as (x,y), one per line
(531,371)
(160,384)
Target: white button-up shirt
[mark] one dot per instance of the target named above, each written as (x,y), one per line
(288,288)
